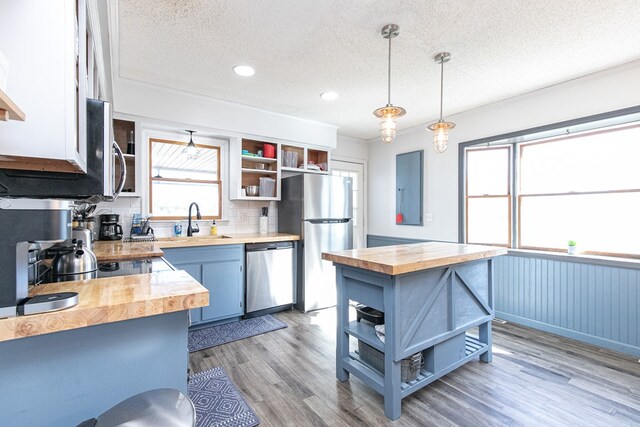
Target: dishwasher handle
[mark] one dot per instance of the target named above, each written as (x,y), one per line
(255,247)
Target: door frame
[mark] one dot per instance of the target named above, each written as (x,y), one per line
(365,187)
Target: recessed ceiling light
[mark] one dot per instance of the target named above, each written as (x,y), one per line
(329,96)
(244,70)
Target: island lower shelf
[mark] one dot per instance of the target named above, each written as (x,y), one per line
(473,348)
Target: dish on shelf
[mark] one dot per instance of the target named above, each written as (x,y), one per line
(311,167)
(252,190)
(289,159)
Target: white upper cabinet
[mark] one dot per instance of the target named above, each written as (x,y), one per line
(48,80)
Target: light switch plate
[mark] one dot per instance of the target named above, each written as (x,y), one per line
(428,216)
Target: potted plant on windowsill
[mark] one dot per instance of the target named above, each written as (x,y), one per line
(571,247)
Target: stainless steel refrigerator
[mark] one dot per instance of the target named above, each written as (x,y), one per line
(319,209)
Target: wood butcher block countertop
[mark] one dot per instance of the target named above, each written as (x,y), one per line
(226,239)
(413,257)
(110,299)
(116,250)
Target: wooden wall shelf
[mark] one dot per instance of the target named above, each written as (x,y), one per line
(8,109)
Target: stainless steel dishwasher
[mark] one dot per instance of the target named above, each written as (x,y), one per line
(270,274)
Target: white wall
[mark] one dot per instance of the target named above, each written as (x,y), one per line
(348,148)
(220,117)
(609,90)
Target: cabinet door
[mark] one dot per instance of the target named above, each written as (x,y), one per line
(219,269)
(42,46)
(225,284)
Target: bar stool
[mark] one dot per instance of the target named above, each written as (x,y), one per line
(154,408)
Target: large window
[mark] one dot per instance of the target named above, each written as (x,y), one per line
(488,198)
(583,187)
(176,180)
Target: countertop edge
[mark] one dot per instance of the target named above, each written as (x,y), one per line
(85,316)
(197,241)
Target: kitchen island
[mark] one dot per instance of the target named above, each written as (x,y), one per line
(431,295)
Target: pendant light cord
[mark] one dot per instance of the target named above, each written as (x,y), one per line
(441,85)
(389,75)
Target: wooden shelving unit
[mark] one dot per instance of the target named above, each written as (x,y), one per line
(305,157)
(244,169)
(249,174)
(9,110)
(121,129)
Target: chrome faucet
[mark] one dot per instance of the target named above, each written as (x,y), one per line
(195,229)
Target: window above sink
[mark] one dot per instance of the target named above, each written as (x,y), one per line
(176,180)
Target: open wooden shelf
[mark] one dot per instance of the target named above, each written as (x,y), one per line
(8,109)
(259,159)
(121,130)
(302,170)
(259,171)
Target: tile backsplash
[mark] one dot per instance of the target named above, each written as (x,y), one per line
(239,216)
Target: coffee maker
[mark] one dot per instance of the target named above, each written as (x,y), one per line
(109,227)
(30,221)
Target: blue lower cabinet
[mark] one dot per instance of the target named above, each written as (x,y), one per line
(220,269)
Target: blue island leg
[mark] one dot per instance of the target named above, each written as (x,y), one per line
(485,328)
(485,336)
(392,369)
(342,338)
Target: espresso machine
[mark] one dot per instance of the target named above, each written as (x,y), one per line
(30,222)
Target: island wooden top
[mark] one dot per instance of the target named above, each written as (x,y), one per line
(110,299)
(402,259)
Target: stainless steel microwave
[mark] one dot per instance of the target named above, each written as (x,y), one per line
(96,185)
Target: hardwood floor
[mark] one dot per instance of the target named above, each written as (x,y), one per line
(288,378)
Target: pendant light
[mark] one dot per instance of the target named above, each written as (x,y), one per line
(389,113)
(441,128)
(191,150)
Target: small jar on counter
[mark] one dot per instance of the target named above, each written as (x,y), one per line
(177,229)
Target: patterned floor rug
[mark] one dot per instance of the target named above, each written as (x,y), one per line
(217,401)
(222,334)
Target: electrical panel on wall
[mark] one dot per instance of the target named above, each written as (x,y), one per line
(409,180)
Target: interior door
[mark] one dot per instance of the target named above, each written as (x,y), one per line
(355,171)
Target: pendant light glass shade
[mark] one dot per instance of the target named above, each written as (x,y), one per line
(388,125)
(441,135)
(191,150)
(388,130)
(441,128)
(389,113)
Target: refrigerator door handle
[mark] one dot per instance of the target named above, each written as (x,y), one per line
(329,221)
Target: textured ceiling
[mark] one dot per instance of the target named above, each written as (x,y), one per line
(500,48)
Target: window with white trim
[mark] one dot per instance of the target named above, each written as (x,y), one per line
(582,186)
(175,180)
